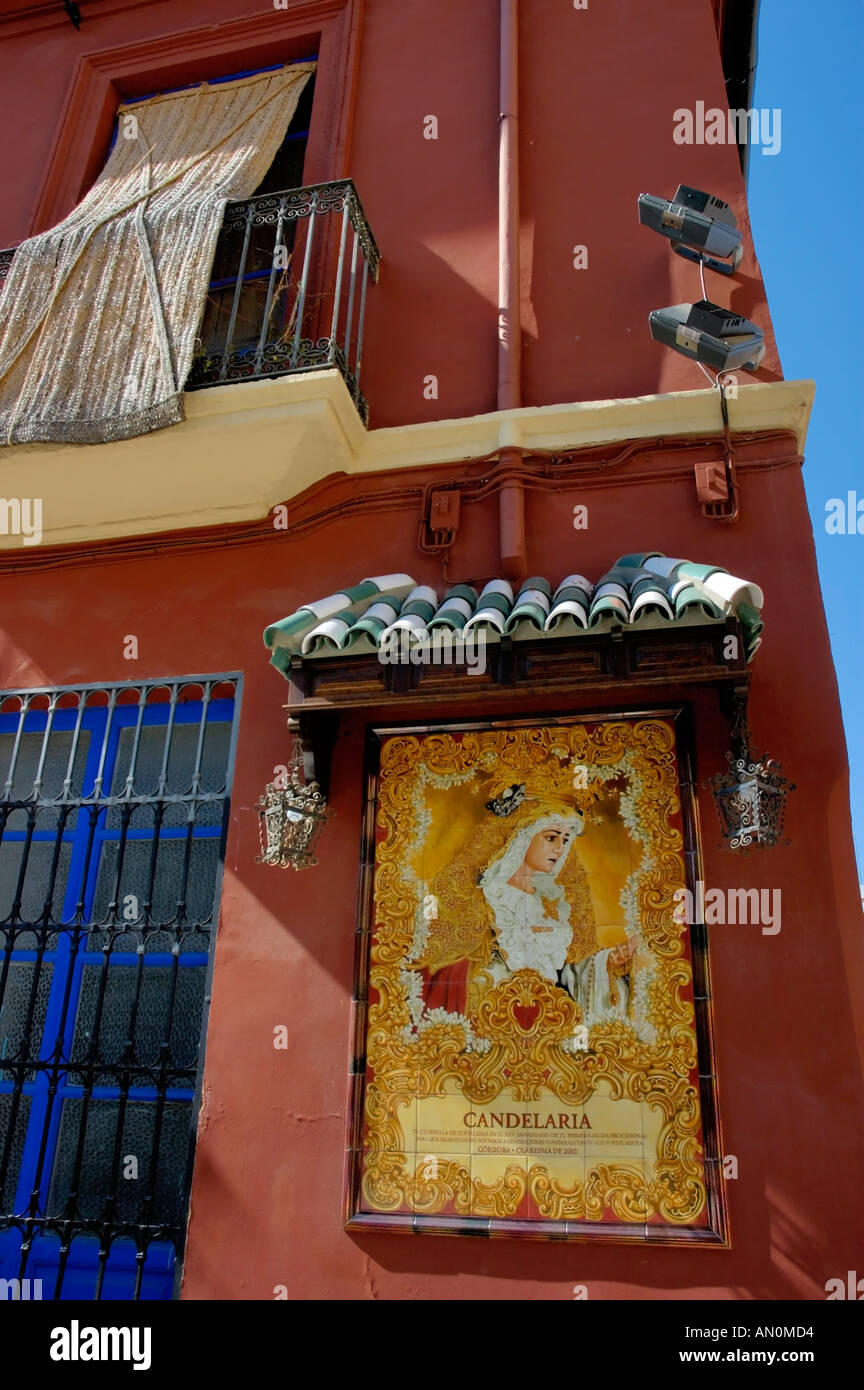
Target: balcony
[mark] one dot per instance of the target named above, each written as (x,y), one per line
(288,293)
(288,289)
(292,329)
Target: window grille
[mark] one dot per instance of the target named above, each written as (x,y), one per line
(113,815)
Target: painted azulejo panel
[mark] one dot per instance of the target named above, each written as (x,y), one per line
(531,1058)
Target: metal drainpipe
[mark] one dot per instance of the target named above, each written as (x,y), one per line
(511,501)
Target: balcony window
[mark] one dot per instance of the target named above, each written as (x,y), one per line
(169,284)
(290,276)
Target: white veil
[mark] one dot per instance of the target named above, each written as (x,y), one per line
(498,874)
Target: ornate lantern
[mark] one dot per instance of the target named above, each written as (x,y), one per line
(290,819)
(751,794)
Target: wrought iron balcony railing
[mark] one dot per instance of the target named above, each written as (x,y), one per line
(288,288)
(288,292)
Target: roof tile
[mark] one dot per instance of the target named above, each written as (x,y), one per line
(646,589)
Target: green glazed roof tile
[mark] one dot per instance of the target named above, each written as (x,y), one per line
(647,588)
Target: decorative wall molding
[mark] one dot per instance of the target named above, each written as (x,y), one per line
(296,431)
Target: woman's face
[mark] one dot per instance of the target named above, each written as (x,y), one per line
(546,849)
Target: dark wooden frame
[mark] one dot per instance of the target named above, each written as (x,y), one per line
(602,659)
(715,1233)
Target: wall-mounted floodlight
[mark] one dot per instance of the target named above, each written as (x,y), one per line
(709,334)
(696,220)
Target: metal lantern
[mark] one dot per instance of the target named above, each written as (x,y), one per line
(290,820)
(750,795)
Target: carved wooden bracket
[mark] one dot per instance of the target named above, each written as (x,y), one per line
(317,735)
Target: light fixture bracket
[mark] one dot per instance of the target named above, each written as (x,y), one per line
(293,810)
(710,262)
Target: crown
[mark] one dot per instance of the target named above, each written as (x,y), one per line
(506,803)
(516,795)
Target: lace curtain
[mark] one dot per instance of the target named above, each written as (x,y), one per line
(99,315)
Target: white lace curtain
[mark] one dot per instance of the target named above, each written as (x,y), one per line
(99,315)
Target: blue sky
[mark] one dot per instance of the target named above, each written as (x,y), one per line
(807,211)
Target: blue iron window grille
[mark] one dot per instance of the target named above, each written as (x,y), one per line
(113,815)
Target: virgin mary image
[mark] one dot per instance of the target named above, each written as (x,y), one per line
(516,897)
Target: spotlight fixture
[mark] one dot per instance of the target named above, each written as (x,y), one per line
(697,223)
(73,12)
(700,226)
(710,334)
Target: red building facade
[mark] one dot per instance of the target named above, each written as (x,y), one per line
(521,423)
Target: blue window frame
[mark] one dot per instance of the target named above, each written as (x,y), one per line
(113,814)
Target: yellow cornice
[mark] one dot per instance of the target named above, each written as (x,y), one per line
(244,448)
